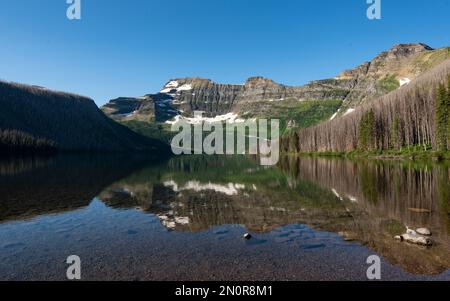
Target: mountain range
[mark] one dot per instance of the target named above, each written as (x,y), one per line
(33,118)
(262,97)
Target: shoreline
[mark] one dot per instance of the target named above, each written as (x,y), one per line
(412,156)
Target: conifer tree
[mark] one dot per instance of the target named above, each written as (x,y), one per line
(441,108)
(367,131)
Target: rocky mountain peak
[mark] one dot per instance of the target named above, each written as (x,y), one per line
(193,81)
(260,96)
(411,48)
(404,50)
(259,82)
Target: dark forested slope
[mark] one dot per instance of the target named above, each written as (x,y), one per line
(37,119)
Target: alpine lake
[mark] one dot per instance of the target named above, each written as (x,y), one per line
(185,218)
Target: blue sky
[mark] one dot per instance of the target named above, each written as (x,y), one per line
(132,47)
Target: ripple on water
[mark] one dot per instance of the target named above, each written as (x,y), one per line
(14,246)
(312,246)
(255,242)
(221,232)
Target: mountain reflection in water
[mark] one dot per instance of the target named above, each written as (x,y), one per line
(362,201)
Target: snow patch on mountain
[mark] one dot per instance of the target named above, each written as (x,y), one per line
(276,100)
(404,81)
(127,115)
(228,118)
(349,111)
(185,87)
(174,86)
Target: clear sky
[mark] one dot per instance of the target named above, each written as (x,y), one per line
(133,47)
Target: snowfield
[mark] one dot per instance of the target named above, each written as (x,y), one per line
(228,118)
(349,111)
(175,85)
(126,115)
(404,81)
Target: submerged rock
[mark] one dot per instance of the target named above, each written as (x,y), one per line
(247,236)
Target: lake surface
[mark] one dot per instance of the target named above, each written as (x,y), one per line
(184,218)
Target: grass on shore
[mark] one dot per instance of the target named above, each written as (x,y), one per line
(409,153)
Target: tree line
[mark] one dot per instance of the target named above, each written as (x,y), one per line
(18,142)
(413,115)
(71,121)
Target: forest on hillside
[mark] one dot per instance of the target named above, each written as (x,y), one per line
(18,142)
(36,120)
(414,115)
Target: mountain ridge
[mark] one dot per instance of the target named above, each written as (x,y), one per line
(386,72)
(403,119)
(32,116)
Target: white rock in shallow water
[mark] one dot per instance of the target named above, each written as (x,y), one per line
(416,239)
(410,231)
(424,231)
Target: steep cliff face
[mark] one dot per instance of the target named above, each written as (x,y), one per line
(183,95)
(258,96)
(196,94)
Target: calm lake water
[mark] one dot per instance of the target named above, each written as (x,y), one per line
(184,219)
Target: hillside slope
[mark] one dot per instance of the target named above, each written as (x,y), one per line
(403,118)
(34,118)
(388,71)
